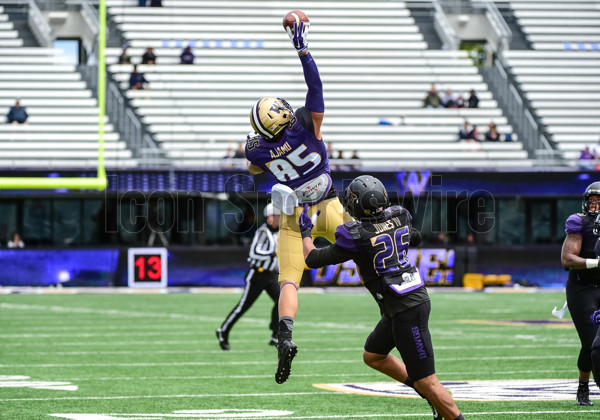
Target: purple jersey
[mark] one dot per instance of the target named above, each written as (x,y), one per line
(296,158)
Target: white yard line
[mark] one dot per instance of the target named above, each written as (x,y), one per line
(229,363)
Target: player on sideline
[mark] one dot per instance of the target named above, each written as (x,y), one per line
(262,275)
(290,146)
(583,284)
(378,242)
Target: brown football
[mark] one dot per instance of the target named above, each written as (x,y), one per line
(294,16)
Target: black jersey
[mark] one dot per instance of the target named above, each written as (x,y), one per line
(379,248)
(583,225)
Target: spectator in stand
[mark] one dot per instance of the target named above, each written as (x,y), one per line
(228,159)
(340,157)
(240,156)
(432,100)
(473,99)
(465,132)
(153,3)
(149,57)
(587,160)
(492,133)
(125,58)
(16,242)
(137,81)
(449,99)
(595,150)
(187,56)
(475,134)
(460,101)
(17,114)
(355,166)
(330,156)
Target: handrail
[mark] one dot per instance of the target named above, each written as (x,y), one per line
(444,29)
(500,26)
(38,25)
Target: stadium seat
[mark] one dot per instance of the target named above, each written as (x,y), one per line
(560,76)
(377,74)
(62,128)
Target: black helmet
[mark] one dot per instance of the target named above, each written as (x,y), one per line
(365,196)
(592,189)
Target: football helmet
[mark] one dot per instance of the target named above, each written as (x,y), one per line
(270,116)
(271,210)
(365,197)
(592,189)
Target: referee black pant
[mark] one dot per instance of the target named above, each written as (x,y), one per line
(256,282)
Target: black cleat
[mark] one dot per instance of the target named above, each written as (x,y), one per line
(287,351)
(223,339)
(583,394)
(273,341)
(436,415)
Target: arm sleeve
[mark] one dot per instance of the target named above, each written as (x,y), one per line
(415,237)
(304,116)
(332,254)
(314,96)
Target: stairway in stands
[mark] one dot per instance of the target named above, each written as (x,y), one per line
(375,65)
(62,128)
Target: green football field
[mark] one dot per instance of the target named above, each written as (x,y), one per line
(155,356)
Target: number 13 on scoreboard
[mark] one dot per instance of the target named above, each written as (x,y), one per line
(147,267)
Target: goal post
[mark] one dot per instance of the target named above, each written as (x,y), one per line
(77,183)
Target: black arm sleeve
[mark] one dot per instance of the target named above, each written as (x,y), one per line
(304,116)
(329,255)
(415,237)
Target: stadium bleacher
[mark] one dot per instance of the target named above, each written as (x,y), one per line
(62,128)
(374,64)
(560,77)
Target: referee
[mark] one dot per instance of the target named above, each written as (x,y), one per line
(262,275)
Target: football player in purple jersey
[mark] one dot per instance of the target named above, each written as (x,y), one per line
(378,242)
(289,146)
(583,284)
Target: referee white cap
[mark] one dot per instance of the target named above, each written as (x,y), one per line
(270,210)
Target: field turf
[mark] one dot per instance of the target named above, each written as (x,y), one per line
(155,356)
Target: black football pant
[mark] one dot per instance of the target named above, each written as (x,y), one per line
(256,282)
(583,299)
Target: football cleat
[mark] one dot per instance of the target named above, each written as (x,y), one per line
(223,339)
(436,415)
(287,351)
(583,394)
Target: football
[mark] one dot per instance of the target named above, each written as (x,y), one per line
(294,16)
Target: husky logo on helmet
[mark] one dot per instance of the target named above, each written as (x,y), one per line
(365,197)
(270,116)
(592,189)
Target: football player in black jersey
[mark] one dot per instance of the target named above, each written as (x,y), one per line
(583,284)
(378,242)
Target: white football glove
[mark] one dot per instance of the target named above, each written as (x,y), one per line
(299,36)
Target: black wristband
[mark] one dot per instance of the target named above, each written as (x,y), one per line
(305,234)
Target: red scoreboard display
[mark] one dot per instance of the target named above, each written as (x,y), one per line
(147,267)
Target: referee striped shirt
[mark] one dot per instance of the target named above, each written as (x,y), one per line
(263,249)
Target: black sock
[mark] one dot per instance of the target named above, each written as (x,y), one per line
(583,383)
(460,417)
(286,324)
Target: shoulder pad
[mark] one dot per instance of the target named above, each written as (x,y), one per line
(354,228)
